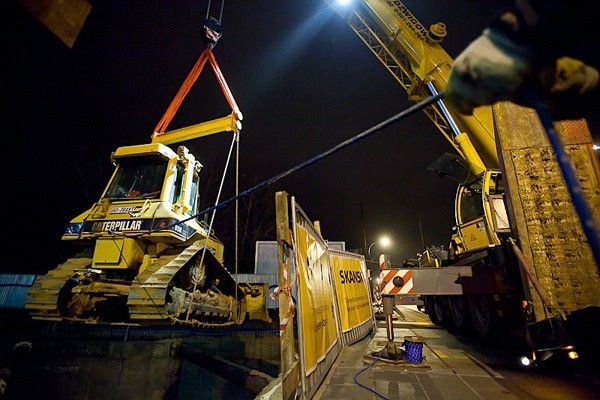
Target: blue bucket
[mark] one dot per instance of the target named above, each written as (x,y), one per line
(413,349)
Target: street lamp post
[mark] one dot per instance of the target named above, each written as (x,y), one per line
(383,241)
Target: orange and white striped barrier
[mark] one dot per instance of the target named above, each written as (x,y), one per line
(396,281)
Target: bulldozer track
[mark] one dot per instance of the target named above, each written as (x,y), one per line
(42,300)
(148,292)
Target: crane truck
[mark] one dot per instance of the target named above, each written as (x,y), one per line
(145,255)
(517,258)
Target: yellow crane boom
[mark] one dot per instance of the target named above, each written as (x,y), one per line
(415,58)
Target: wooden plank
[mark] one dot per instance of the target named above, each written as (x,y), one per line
(290,372)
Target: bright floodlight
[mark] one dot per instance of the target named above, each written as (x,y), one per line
(525,361)
(343,2)
(596,147)
(385,241)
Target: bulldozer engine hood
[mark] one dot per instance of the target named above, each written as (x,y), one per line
(138,226)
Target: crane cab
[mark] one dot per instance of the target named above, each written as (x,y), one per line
(480,213)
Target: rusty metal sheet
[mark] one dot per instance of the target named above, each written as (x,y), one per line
(546,223)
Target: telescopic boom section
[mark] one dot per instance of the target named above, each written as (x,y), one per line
(413,55)
(229,123)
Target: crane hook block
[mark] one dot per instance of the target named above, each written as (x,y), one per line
(211,31)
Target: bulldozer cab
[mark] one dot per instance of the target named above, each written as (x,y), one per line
(137,177)
(157,175)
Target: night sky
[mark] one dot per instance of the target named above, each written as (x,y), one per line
(301,77)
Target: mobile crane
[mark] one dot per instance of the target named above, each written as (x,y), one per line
(146,255)
(485,282)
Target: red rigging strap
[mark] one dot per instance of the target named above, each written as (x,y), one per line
(206,55)
(223,84)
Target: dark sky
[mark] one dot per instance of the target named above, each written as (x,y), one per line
(301,77)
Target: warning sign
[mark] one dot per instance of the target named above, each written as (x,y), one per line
(351,290)
(318,323)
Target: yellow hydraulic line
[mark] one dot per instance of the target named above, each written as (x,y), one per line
(465,145)
(461,139)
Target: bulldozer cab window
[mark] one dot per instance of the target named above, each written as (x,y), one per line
(178,185)
(195,196)
(178,190)
(137,178)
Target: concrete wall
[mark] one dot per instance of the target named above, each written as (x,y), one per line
(136,370)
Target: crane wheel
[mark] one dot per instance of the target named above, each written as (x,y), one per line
(483,316)
(459,312)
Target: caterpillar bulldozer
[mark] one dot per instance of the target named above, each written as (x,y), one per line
(146,256)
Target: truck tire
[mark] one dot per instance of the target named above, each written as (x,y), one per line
(459,312)
(428,303)
(483,316)
(441,309)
